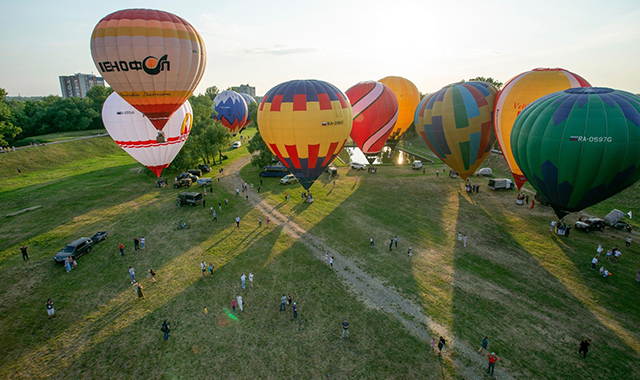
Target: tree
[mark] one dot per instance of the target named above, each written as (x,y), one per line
(489,80)
(98,95)
(212,92)
(257,144)
(7,129)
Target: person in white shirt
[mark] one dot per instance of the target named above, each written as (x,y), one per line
(251,279)
(239,299)
(243,278)
(203,267)
(593,263)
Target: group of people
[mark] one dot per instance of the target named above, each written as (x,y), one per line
(560,227)
(612,255)
(288,301)
(6,149)
(462,239)
(522,199)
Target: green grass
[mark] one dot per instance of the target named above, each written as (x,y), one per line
(532,293)
(60,136)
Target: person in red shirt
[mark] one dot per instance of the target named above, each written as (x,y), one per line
(492,363)
(121,248)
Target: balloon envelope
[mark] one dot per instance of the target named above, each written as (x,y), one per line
(516,94)
(249,100)
(579,146)
(457,124)
(137,136)
(408,98)
(231,110)
(305,123)
(153,59)
(375,111)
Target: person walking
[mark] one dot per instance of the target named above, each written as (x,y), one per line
(142,242)
(492,363)
(441,343)
(121,248)
(25,255)
(345,329)
(165,329)
(215,216)
(283,301)
(239,298)
(331,261)
(139,292)
(132,275)
(295,310)
(251,279)
(371,241)
(136,244)
(237,222)
(483,345)
(594,261)
(152,275)
(433,344)
(584,348)
(243,279)
(50,310)
(395,241)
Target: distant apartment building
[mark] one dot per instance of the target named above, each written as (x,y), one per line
(79,84)
(245,89)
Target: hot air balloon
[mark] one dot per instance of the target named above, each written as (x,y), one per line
(516,94)
(418,120)
(375,111)
(579,146)
(153,59)
(408,98)
(231,110)
(249,100)
(136,135)
(305,123)
(457,123)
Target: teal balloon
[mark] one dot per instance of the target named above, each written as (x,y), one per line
(580,146)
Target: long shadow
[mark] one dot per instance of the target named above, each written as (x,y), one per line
(515,284)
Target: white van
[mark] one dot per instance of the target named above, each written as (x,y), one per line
(416,165)
(237,145)
(500,183)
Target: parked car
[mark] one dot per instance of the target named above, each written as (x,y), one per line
(98,237)
(204,181)
(182,182)
(236,145)
(288,179)
(189,198)
(500,183)
(274,171)
(193,177)
(332,170)
(76,249)
(590,224)
(197,172)
(622,226)
(205,168)
(358,166)
(416,165)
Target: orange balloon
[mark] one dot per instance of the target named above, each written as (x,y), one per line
(153,59)
(408,99)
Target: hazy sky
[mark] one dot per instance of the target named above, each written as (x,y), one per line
(263,43)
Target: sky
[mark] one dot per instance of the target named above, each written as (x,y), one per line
(343,42)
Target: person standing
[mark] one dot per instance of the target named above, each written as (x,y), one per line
(251,279)
(395,241)
(211,269)
(638,275)
(553,225)
(390,244)
(67,264)
(243,279)
(165,329)
(132,275)
(483,345)
(326,258)
(331,261)
(215,216)
(220,206)
(345,328)
(584,348)
(437,173)
(233,305)
(464,241)
(139,291)
(136,244)
(594,261)
(50,309)
(627,243)
(25,255)
(295,310)
(283,301)
(267,221)
(239,298)
(203,268)
(441,343)
(259,221)
(492,363)
(121,248)
(599,250)
(237,222)
(371,241)
(433,344)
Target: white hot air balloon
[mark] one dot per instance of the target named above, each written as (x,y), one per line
(134,133)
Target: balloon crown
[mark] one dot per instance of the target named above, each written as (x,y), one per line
(548,69)
(588,90)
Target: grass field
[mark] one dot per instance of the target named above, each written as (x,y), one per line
(532,293)
(60,136)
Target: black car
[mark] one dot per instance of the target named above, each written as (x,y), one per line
(590,224)
(76,249)
(189,198)
(99,236)
(204,167)
(194,178)
(622,226)
(196,172)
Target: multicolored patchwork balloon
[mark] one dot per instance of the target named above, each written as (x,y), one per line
(457,123)
(305,123)
(375,111)
(231,110)
(579,146)
(153,59)
(516,94)
(249,100)
(408,98)
(136,134)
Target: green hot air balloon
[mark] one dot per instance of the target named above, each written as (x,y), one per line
(580,146)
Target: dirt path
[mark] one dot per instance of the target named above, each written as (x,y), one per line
(467,362)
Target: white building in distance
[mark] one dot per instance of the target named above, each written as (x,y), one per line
(79,84)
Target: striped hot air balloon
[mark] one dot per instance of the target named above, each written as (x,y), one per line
(375,111)
(305,123)
(153,59)
(516,94)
